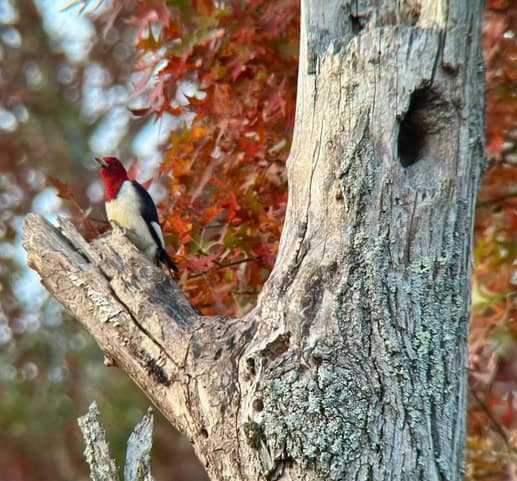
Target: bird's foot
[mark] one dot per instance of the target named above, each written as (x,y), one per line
(122,229)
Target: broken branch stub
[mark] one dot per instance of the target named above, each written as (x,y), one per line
(97,452)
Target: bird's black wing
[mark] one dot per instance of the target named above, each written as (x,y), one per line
(148,211)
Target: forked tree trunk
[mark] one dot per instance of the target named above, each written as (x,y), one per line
(353,364)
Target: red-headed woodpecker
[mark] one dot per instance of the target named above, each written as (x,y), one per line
(130,206)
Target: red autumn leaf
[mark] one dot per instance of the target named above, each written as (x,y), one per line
(64,191)
(266,252)
(182,226)
(222,104)
(131,169)
(200,263)
(176,66)
(209,213)
(78,216)
(204,7)
(230,203)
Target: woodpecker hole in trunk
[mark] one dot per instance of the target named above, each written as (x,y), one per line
(426,127)
(413,128)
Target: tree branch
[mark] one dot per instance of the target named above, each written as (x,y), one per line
(186,363)
(138,455)
(96,451)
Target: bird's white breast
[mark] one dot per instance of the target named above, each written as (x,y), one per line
(125,210)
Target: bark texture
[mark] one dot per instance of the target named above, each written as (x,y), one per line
(353,364)
(97,453)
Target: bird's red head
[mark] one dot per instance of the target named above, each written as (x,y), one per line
(113,174)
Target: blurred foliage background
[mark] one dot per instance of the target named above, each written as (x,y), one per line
(186,89)
(64,91)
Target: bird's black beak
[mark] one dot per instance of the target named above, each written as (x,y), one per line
(101,162)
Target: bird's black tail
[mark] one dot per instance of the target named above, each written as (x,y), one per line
(164,257)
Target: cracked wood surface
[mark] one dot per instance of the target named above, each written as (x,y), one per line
(352,366)
(144,323)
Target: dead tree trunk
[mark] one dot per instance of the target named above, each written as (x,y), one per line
(353,364)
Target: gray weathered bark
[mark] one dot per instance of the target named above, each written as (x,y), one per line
(353,364)
(97,453)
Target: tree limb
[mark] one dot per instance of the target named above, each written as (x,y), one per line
(96,451)
(186,363)
(138,455)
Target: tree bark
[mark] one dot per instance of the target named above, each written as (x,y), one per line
(352,366)
(97,452)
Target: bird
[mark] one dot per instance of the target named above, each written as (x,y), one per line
(130,207)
